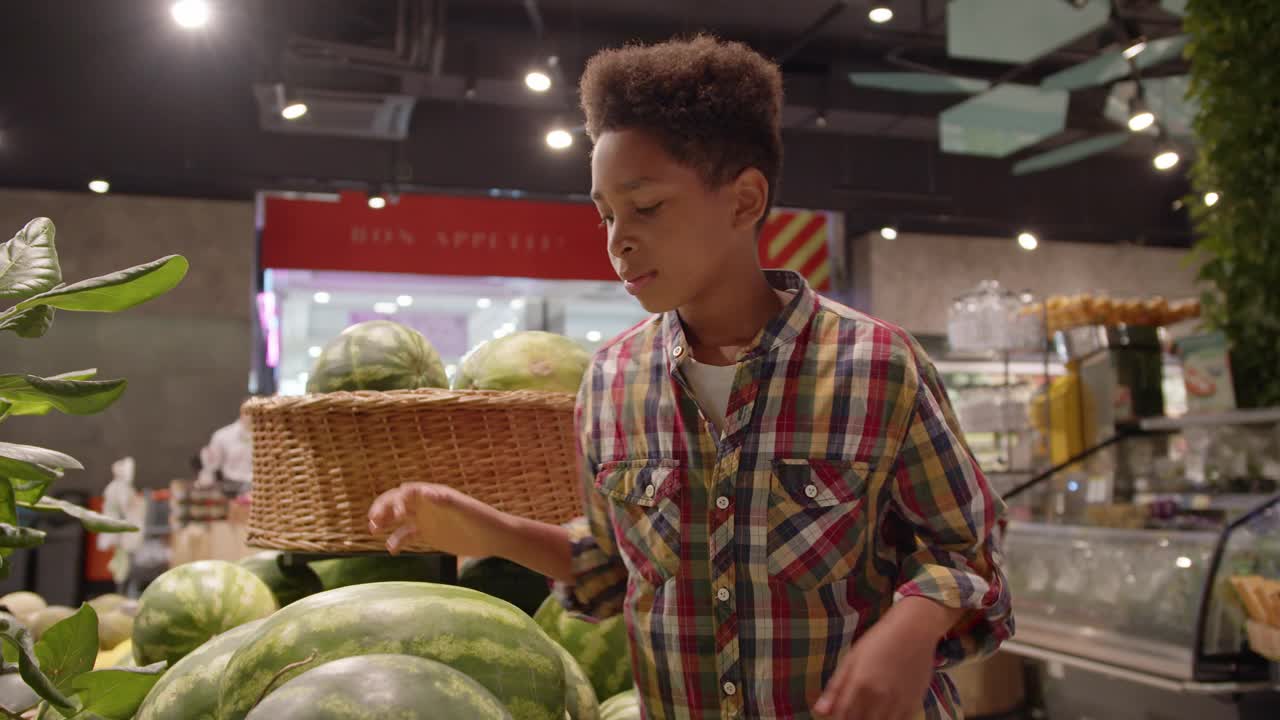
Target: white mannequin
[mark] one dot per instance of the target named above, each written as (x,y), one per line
(230,451)
(122,501)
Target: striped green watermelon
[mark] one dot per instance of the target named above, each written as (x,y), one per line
(531,360)
(501,578)
(483,637)
(358,570)
(579,698)
(191,603)
(189,689)
(377,355)
(623,706)
(377,687)
(601,648)
(287,584)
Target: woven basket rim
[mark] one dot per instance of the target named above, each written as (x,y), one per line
(355,400)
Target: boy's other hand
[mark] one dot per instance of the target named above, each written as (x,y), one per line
(887,672)
(439,516)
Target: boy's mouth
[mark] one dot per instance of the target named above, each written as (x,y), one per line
(636,283)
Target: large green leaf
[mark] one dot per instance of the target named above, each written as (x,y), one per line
(22,470)
(92,521)
(67,650)
(14,536)
(41,407)
(33,395)
(117,291)
(8,513)
(16,634)
(29,262)
(30,491)
(116,693)
(30,323)
(39,455)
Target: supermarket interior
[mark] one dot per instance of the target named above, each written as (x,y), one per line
(273,260)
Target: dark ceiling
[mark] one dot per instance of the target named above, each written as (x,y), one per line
(114,88)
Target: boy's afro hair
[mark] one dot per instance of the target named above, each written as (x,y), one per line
(712,104)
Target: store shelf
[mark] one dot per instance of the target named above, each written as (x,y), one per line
(1262,416)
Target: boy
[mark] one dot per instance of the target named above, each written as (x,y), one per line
(777,495)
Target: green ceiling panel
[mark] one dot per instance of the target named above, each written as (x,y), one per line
(1002,121)
(928,83)
(1017,31)
(1068,154)
(1111,66)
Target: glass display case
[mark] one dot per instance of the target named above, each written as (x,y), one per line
(1120,562)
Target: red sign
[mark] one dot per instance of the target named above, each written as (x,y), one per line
(437,235)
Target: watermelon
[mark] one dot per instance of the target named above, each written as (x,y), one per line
(483,637)
(579,698)
(191,603)
(507,580)
(189,689)
(623,706)
(377,355)
(342,572)
(287,585)
(532,360)
(375,687)
(601,648)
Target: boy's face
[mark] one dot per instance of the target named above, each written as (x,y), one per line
(671,237)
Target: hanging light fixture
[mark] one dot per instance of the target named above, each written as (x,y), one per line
(880,12)
(1140,116)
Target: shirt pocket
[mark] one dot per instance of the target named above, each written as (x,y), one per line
(645,497)
(817,523)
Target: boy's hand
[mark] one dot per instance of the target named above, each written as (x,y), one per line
(439,516)
(887,672)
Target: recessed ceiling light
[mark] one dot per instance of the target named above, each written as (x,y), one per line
(1027,241)
(293,111)
(99,185)
(1211,198)
(560,139)
(321,297)
(880,14)
(538,81)
(190,14)
(888,232)
(377,202)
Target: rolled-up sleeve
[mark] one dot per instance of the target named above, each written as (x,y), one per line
(940,490)
(600,577)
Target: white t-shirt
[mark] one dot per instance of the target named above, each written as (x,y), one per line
(711,385)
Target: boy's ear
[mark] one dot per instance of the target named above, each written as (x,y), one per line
(750,198)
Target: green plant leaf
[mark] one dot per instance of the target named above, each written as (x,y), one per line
(92,521)
(22,470)
(40,456)
(29,262)
(14,536)
(8,515)
(16,634)
(30,323)
(33,395)
(30,491)
(117,291)
(67,650)
(116,693)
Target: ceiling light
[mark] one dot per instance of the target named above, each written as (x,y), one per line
(314,351)
(484,303)
(293,111)
(880,14)
(385,308)
(404,300)
(1167,159)
(1211,198)
(321,297)
(594,336)
(889,232)
(560,139)
(517,304)
(99,185)
(1027,241)
(1133,50)
(1183,562)
(538,81)
(190,14)
(377,202)
(1140,116)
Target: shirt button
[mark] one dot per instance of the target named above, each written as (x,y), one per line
(722,594)
(730,689)
(722,502)
(649,491)
(677,351)
(811,491)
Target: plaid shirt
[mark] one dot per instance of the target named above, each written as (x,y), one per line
(745,563)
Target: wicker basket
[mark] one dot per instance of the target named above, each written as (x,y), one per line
(319,461)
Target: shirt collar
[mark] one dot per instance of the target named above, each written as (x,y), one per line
(782,329)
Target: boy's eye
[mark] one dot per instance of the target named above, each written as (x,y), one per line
(605,221)
(649,211)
